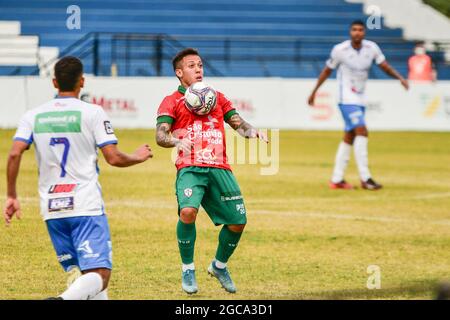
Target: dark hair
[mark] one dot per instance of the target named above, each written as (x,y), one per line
(358,23)
(68,71)
(180,55)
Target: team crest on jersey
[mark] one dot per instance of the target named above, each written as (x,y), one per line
(188,192)
(240,208)
(211,123)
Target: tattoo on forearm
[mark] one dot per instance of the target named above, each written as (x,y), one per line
(163,136)
(244,128)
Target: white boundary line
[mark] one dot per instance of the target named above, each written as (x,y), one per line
(171,205)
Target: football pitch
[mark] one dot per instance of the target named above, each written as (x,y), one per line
(302,241)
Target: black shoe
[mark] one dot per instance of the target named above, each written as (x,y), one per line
(54,298)
(370,184)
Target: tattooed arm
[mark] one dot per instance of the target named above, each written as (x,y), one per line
(163,136)
(165,139)
(245,129)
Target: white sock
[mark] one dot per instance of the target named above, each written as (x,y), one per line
(362,157)
(102,295)
(341,161)
(84,288)
(187,267)
(220,265)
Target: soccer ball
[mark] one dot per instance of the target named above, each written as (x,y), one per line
(200,98)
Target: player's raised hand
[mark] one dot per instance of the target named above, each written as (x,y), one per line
(144,152)
(405,83)
(252,133)
(12,207)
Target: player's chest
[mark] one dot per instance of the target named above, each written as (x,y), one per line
(358,60)
(187,120)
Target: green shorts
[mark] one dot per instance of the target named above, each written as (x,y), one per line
(215,189)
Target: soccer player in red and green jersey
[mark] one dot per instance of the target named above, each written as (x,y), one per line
(204,177)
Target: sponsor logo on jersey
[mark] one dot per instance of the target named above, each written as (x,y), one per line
(108,127)
(64,257)
(85,247)
(231,196)
(58,121)
(356,117)
(89,253)
(60,204)
(206,155)
(62,188)
(188,192)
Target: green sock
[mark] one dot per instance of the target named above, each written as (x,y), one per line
(228,241)
(186,235)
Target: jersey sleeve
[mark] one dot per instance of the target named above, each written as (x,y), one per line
(24,131)
(227,106)
(378,54)
(334,59)
(166,110)
(103,129)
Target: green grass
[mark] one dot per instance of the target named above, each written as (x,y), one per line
(441,5)
(303,241)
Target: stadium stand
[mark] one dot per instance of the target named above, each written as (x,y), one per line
(287,38)
(21,54)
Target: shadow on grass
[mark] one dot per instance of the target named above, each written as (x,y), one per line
(426,289)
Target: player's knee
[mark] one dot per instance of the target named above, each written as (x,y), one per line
(362,131)
(104,273)
(349,137)
(188,215)
(236,227)
(349,140)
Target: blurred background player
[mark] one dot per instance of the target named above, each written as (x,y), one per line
(353,58)
(420,65)
(67,132)
(204,176)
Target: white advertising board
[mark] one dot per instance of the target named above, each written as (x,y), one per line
(265,102)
